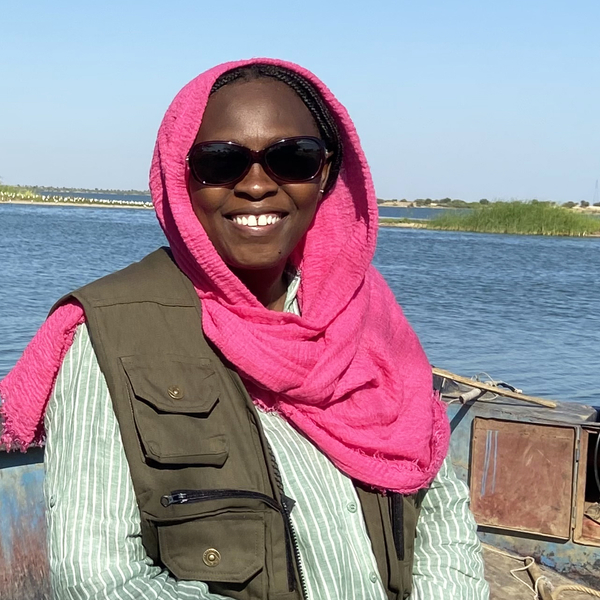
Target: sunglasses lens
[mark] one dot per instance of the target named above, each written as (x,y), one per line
(217,163)
(297,159)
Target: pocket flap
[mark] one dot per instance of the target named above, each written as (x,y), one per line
(226,547)
(173,384)
(173,399)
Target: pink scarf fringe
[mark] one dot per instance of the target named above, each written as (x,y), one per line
(349,373)
(26,389)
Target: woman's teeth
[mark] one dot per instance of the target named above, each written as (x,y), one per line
(253,221)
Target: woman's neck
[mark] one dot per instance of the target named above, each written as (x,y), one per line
(269,286)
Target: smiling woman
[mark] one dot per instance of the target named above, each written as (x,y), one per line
(246,414)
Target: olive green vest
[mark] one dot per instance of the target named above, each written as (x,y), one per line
(210,497)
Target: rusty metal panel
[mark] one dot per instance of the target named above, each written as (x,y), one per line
(23,560)
(577,561)
(586,530)
(522,476)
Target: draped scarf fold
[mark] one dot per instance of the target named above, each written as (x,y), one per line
(349,373)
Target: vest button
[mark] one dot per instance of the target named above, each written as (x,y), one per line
(211,557)
(175,392)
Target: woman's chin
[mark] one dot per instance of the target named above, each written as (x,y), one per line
(258,263)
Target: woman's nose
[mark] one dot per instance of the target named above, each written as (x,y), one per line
(257,184)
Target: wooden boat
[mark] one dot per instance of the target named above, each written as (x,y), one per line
(530,465)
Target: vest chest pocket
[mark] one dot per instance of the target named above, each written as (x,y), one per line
(172,399)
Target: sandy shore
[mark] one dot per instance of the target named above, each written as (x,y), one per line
(411,225)
(401,204)
(588,210)
(136,206)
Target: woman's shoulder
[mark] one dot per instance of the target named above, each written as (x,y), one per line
(155,276)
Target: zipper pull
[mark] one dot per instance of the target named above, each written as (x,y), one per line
(288,503)
(174,498)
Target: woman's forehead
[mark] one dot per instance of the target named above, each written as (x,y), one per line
(259,108)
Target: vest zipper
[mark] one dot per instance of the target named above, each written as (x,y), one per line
(291,539)
(192,496)
(294,542)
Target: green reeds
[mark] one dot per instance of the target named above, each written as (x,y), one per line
(527,218)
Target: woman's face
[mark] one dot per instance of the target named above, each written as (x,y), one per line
(255,114)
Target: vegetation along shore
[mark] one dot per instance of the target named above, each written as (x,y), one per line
(525,218)
(21,195)
(516,217)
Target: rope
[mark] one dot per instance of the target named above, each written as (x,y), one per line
(556,592)
(574,588)
(534,590)
(490,380)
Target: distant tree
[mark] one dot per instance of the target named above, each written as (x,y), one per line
(419,202)
(444,201)
(584,204)
(569,204)
(427,201)
(484,201)
(596,203)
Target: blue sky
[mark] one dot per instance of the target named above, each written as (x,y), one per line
(462,99)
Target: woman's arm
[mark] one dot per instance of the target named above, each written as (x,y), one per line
(94,538)
(448,561)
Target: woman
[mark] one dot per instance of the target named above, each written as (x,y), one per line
(247,415)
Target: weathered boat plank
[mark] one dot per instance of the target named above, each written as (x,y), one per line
(23,559)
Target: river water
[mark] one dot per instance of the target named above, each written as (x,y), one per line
(524,309)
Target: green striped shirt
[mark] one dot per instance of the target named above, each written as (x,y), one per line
(94,534)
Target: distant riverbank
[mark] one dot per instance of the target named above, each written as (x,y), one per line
(77,202)
(45,190)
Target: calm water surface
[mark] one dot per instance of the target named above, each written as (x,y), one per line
(524,309)
(417,212)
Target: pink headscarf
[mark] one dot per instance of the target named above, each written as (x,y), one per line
(349,373)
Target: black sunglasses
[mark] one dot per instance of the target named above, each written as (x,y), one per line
(291,160)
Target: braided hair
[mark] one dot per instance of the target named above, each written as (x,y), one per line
(307,93)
